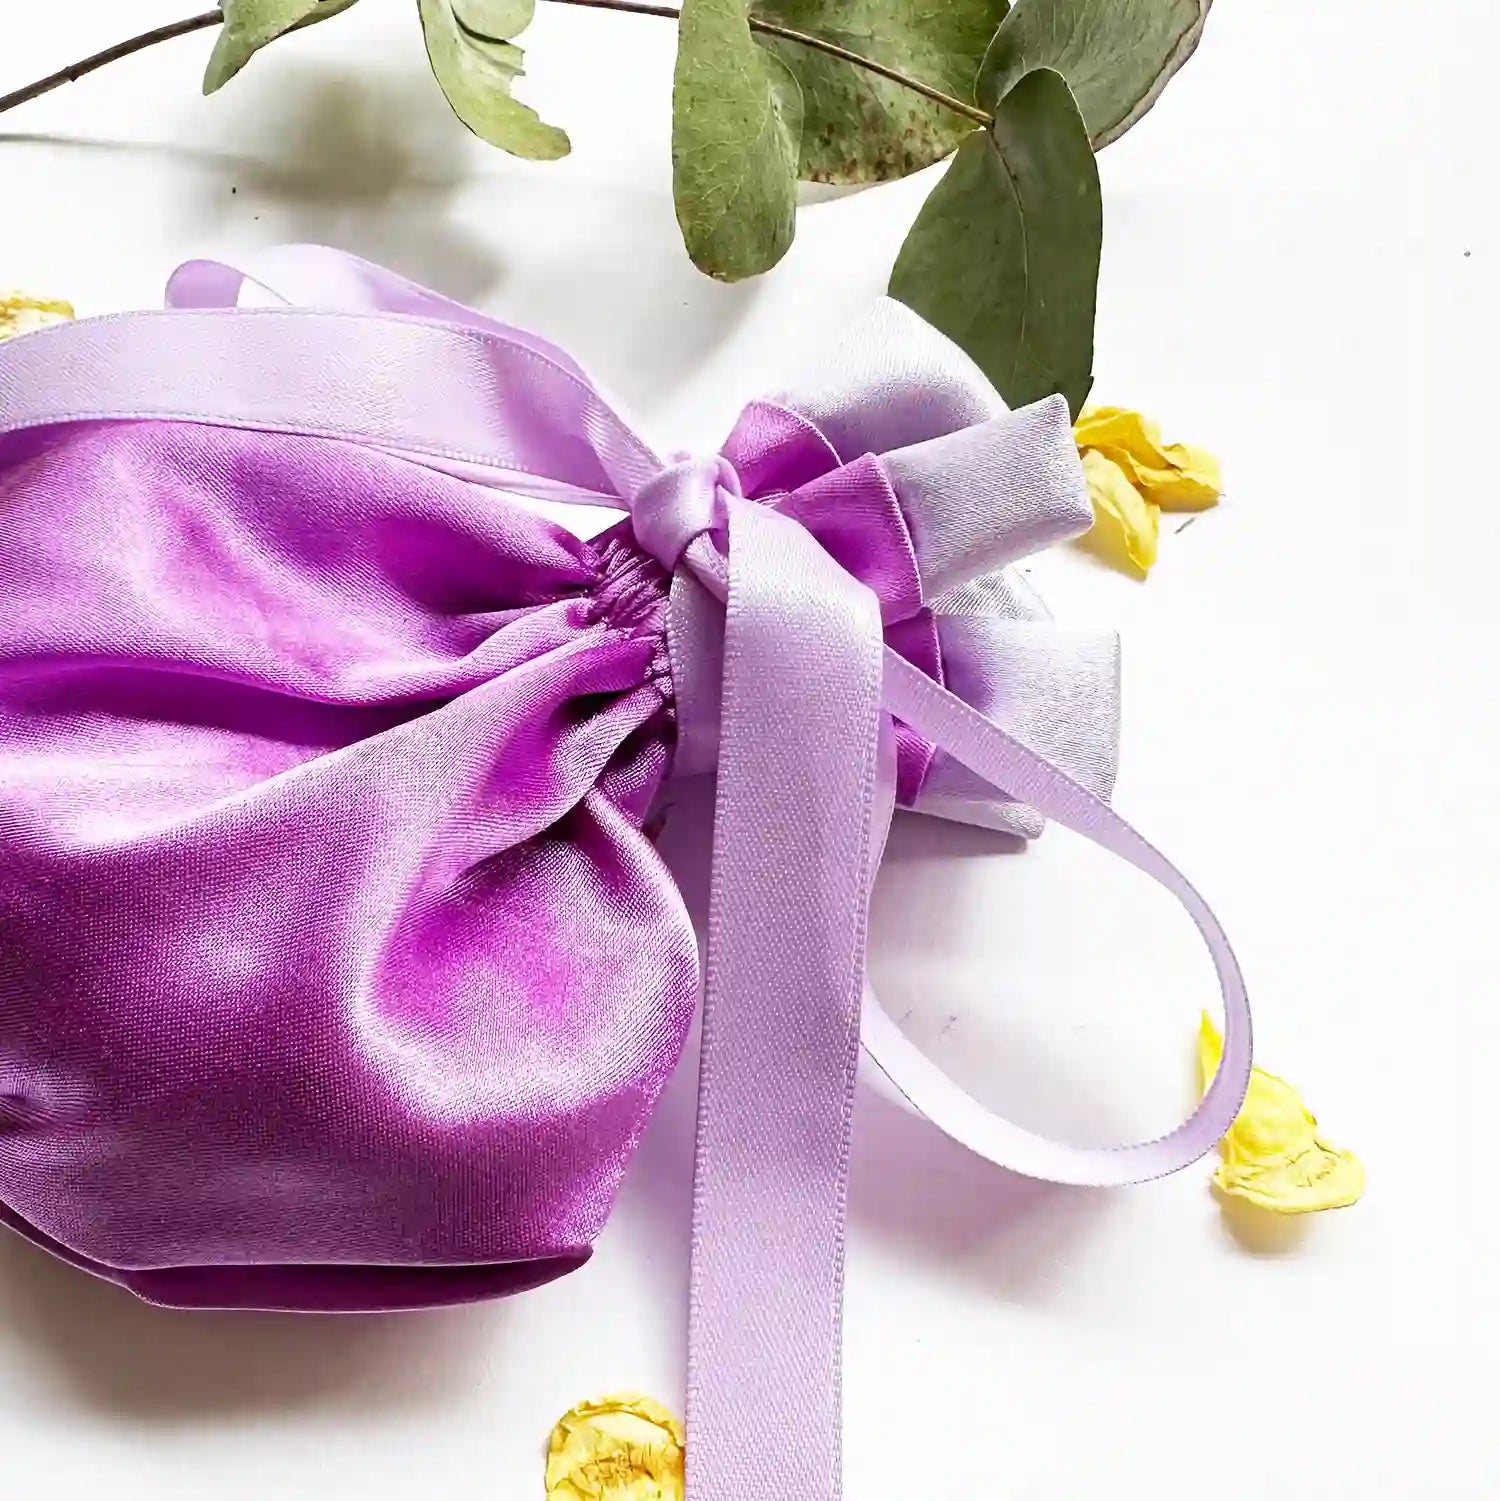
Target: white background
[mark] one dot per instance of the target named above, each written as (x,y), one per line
(1300,272)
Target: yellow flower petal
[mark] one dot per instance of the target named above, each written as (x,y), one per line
(1273,1155)
(619,1448)
(1125,523)
(1118,427)
(1174,476)
(20,314)
(1190,482)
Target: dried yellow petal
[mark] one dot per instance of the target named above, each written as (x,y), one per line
(619,1448)
(1174,476)
(1273,1155)
(20,314)
(1125,523)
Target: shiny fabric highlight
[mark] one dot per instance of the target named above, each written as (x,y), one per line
(329,934)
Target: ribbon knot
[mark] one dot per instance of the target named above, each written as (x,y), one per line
(681,503)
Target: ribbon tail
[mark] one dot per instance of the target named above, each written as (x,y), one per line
(1013,768)
(796,829)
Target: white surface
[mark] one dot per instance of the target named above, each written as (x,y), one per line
(1301,273)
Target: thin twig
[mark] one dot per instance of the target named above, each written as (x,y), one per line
(110,55)
(817,43)
(635,7)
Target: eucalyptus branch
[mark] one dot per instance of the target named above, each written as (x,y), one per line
(110,55)
(87,65)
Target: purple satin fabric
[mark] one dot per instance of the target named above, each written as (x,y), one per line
(331,946)
(329,933)
(336,970)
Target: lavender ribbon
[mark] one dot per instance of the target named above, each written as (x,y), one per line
(808,692)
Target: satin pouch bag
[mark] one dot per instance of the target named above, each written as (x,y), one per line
(338,969)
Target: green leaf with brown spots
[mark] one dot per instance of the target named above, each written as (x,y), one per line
(475,60)
(859,127)
(736,125)
(1117,55)
(1004,256)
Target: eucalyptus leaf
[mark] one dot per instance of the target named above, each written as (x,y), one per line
(857,126)
(475,62)
(1117,55)
(736,128)
(250,24)
(494,20)
(1004,256)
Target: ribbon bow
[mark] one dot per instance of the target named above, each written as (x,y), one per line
(805,668)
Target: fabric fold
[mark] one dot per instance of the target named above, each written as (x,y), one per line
(1022,471)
